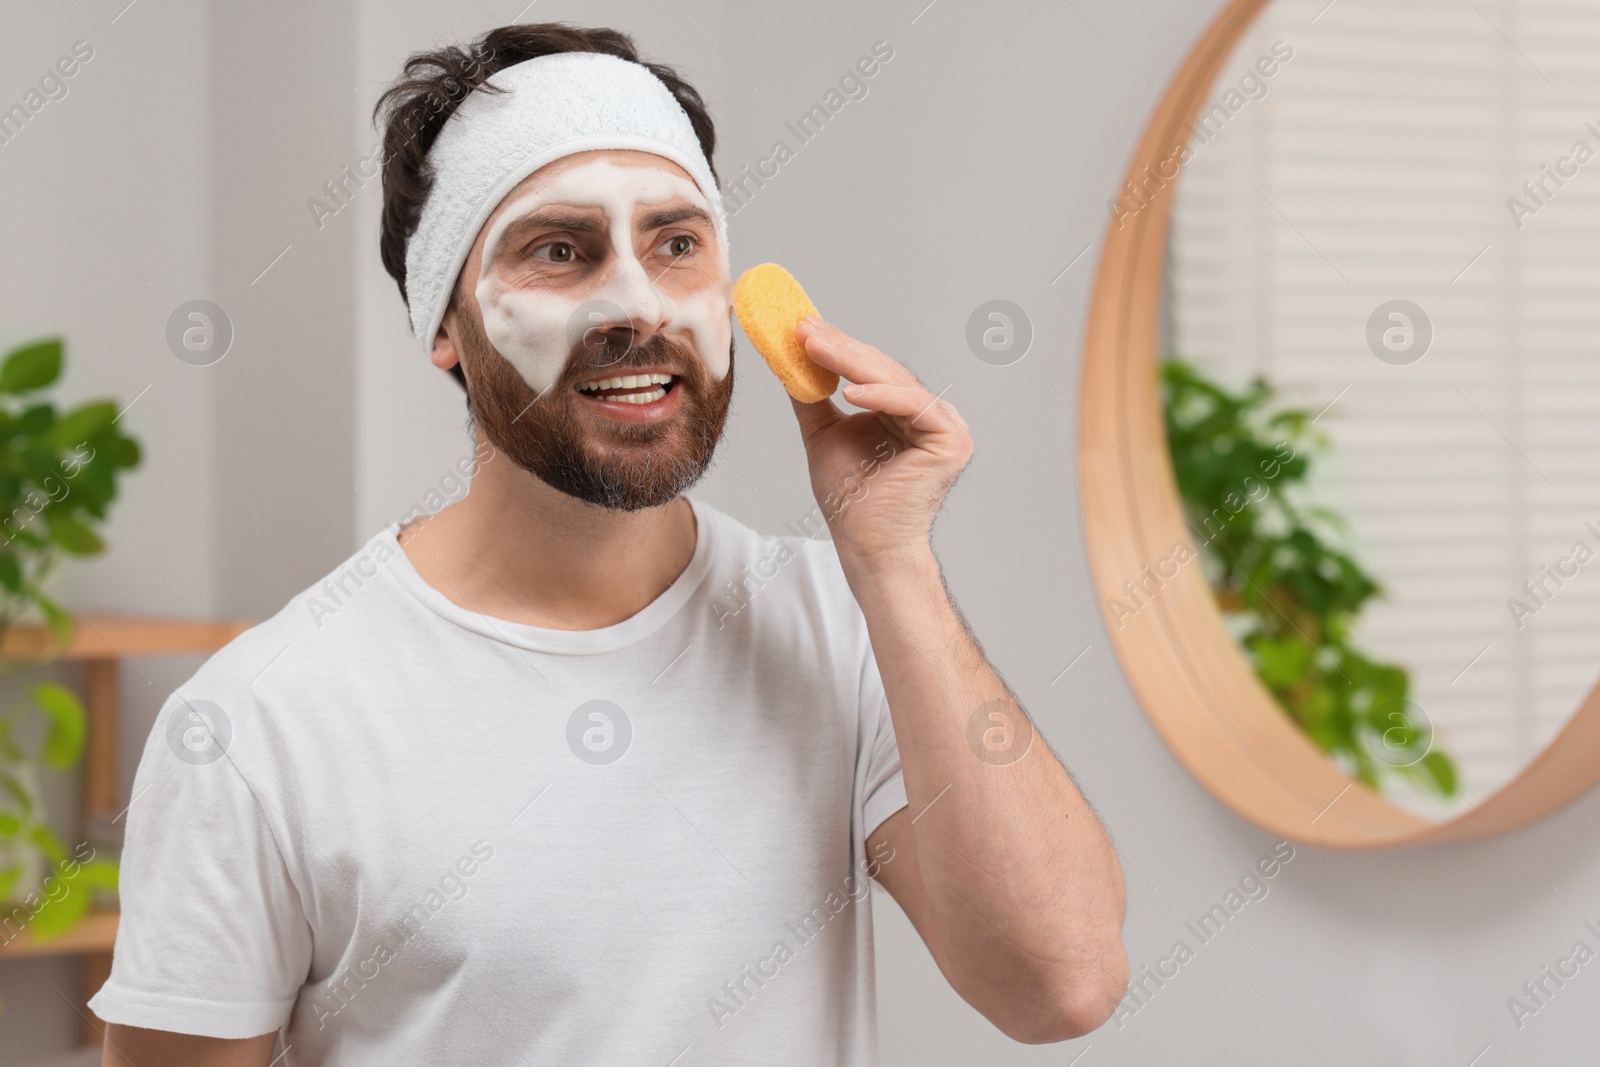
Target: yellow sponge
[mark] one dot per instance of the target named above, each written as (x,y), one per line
(770,304)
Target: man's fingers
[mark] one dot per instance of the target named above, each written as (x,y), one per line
(836,350)
(914,403)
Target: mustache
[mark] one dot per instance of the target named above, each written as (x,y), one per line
(610,352)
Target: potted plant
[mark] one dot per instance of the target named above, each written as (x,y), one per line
(58,477)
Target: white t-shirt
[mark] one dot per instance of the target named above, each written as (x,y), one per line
(416,834)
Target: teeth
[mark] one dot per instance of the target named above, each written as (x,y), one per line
(642,398)
(626,381)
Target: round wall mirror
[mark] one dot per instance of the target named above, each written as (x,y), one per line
(1340,435)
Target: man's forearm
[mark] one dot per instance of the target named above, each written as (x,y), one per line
(1019,878)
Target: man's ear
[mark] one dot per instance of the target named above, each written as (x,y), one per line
(445,354)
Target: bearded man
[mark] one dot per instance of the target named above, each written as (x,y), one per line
(578,769)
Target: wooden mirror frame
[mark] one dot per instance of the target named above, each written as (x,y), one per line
(1186,669)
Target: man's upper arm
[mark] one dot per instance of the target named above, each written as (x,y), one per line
(213,940)
(130,1046)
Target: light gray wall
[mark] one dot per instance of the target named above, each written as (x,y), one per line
(281,96)
(977,167)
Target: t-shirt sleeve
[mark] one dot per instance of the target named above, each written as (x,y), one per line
(884,787)
(213,938)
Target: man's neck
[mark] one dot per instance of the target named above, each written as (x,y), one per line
(516,549)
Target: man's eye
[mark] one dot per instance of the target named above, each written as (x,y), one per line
(679,246)
(552,251)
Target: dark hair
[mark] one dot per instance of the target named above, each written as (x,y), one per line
(433,84)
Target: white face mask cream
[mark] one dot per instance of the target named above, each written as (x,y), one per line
(532,326)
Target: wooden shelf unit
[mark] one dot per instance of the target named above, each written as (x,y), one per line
(101,642)
(97,932)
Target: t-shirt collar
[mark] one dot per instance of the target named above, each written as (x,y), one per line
(636,627)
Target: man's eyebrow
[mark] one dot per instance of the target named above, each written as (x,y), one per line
(555,219)
(655,218)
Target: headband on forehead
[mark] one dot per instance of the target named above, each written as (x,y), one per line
(554,106)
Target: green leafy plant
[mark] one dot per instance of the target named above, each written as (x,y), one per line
(54,899)
(58,477)
(1290,593)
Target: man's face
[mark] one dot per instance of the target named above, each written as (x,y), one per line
(592,320)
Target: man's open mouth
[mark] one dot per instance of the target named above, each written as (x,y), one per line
(630,388)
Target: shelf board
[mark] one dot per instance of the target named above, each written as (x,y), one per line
(95,933)
(110,636)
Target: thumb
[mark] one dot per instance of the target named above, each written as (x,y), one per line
(815,418)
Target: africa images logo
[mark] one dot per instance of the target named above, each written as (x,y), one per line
(199,732)
(599,732)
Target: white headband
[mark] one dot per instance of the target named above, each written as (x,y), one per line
(554,106)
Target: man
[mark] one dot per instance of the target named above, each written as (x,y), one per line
(578,769)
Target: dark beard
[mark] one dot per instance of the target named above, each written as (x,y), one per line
(641,465)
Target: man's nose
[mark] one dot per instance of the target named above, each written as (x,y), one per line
(644,308)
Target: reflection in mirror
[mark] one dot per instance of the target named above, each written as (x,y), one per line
(1389,213)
